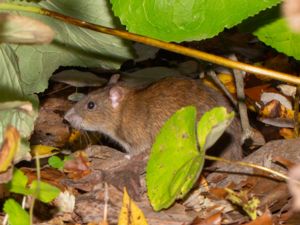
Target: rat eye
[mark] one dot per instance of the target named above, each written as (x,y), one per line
(91,105)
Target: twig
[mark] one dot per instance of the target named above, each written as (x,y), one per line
(247,164)
(215,78)
(296,112)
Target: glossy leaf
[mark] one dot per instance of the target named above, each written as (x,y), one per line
(212,125)
(185,20)
(174,162)
(271,28)
(276,33)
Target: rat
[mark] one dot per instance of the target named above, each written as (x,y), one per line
(132,116)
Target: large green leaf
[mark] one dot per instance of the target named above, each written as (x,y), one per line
(184,20)
(72,46)
(12,89)
(174,162)
(275,32)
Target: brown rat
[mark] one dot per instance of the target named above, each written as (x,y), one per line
(133,116)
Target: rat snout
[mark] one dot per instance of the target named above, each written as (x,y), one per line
(73,118)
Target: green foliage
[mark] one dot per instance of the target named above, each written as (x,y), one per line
(41,190)
(185,20)
(176,142)
(196,20)
(56,162)
(18,183)
(25,69)
(212,125)
(16,215)
(273,30)
(12,89)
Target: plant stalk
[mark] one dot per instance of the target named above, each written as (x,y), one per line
(251,165)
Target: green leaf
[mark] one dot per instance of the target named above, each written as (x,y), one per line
(11,90)
(16,215)
(212,125)
(72,46)
(18,183)
(274,31)
(56,162)
(174,162)
(43,191)
(185,20)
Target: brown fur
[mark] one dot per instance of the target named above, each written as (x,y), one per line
(142,112)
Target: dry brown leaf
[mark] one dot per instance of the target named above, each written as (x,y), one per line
(265,219)
(78,166)
(212,220)
(10,146)
(283,161)
(287,133)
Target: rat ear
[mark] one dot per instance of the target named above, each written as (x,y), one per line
(114,79)
(116,95)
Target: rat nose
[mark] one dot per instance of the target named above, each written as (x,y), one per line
(73,118)
(69,115)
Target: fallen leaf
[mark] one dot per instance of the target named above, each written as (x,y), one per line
(10,146)
(248,204)
(130,213)
(287,89)
(77,78)
(212,220)
(267,97)
(43,151)
(265,219)
(274,113)
(287,133)
(77,166)
(226,79)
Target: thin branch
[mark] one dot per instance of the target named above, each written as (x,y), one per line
(247,164)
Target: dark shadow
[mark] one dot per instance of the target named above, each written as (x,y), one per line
(263,18)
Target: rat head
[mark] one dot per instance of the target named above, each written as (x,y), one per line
(99,110)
